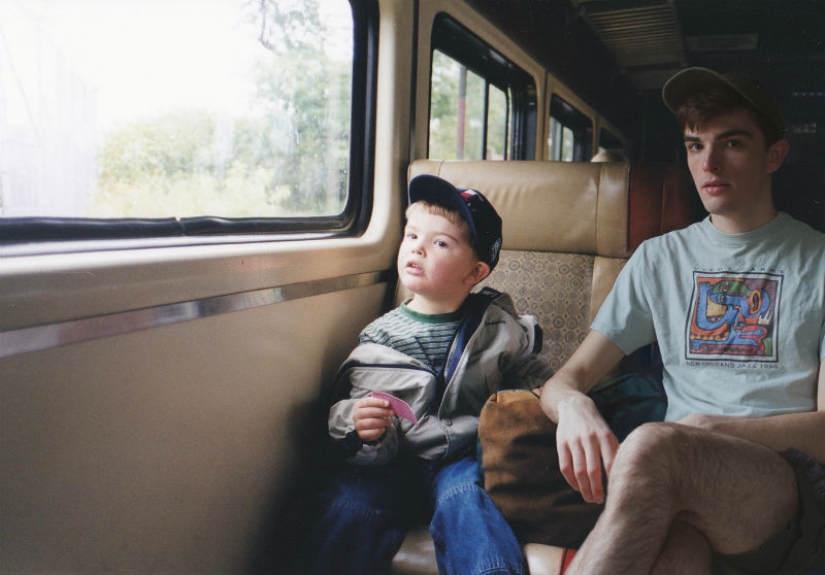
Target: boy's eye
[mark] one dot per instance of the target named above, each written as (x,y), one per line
(441,243)
(734,143)
(694,146)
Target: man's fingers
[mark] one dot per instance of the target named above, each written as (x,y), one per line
(610,446)
(581,466)
(583,476)
(566,467)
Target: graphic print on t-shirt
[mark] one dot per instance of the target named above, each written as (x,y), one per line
(734,316)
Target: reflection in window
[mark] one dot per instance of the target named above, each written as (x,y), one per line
(148,108)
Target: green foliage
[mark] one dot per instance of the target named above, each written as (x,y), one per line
(171,144)
(288,155)
(449,97)
(298,96)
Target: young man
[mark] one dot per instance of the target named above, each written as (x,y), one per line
(732,480)
(443,353)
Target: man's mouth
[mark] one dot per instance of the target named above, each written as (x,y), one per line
(714,186)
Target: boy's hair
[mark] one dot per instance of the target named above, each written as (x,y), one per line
(697,95)
(451,215)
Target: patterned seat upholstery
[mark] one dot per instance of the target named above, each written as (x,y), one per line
(556,288)
(568,229)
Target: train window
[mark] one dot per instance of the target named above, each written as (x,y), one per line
(184,118)
(482,106)
(571,133)
(609,141)
(468,116)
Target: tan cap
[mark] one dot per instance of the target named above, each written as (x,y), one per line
(692,80)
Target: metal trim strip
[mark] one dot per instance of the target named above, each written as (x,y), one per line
(48,336)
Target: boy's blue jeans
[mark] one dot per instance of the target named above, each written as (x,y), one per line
(368,510)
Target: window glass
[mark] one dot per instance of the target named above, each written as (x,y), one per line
(461,113)
(184,108)
(570,135)
(497,125)
(482,105)
(609,141)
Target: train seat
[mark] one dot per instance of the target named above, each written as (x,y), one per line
(568,229)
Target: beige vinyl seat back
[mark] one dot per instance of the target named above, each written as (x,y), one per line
(568,229)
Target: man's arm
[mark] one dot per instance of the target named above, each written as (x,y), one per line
(802,431)
(583,439)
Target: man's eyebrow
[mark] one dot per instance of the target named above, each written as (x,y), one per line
(722,136)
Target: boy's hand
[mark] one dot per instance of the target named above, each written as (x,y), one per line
(371,416)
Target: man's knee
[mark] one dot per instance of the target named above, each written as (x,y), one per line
(651,456)
(657,443)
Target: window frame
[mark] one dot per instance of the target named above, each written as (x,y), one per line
(575,120)
(195,230)
(457,42)
(609,141)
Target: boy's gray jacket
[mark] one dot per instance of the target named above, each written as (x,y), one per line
(500,354)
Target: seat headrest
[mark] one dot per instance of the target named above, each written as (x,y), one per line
(548,206)
(603,209)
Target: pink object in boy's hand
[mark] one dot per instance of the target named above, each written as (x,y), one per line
(399,406)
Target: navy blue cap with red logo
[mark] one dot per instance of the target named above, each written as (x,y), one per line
(480,215)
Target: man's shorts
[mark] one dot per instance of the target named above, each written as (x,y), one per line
(800,548)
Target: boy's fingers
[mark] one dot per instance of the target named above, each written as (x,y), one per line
(370,401)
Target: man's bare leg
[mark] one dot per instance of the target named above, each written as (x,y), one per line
(666,472)
(685,552)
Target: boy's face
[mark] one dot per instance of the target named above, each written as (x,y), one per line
(731,168)
(435,261)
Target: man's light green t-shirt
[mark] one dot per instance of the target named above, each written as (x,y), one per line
(739,318)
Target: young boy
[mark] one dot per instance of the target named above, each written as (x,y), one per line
(442,354)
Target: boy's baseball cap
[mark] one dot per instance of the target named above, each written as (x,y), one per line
(691,80)
(481,217)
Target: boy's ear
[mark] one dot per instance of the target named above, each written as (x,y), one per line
(478,272)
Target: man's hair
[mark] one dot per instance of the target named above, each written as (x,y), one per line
(717,101)
(452,215)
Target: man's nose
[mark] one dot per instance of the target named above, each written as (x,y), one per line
(711,160)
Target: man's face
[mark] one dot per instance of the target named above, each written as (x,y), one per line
(731,169)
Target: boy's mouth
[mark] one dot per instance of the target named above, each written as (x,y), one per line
(413,266)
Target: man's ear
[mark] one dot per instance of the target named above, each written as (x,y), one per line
(776,155)
(478,272)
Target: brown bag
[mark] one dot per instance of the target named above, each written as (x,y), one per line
(521,473)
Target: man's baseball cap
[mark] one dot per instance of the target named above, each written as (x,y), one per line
(691,80)
(482,219)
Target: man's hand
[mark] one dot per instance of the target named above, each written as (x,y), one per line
(584,441)
(371,416)
(583,438)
